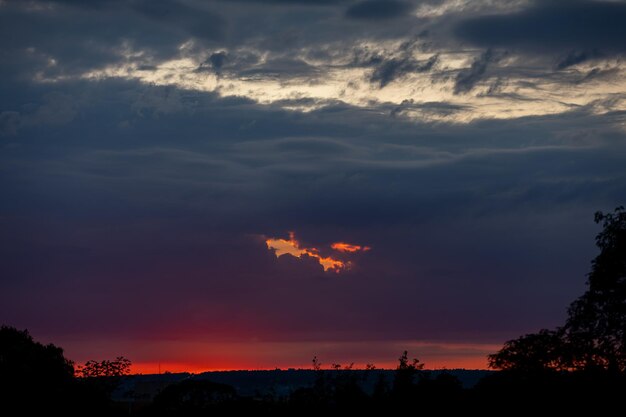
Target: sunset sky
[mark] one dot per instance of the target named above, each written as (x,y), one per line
(244,184)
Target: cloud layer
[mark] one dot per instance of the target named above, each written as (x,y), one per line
(146,150)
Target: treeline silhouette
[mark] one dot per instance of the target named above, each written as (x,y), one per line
(578,367)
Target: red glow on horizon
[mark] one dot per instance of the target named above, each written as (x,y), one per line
(197,368)
(196,355)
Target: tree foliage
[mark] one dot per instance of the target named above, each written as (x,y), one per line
(120,366)
(594,335)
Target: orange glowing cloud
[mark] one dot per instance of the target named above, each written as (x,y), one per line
(347,247)
(293,247)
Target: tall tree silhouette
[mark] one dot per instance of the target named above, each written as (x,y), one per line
(594,335)
(596,327)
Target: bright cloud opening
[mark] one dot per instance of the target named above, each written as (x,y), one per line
(347,247)
(294,248)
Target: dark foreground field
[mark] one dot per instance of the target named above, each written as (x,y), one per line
(38,380)
(404,390)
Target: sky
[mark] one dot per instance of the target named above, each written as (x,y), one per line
(245,184)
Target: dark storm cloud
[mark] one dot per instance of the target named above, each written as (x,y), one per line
(116,191)
(169,196)
(552,25)
(378,9)
(303,2)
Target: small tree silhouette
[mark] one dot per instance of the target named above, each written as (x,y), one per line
(317,365)
(405,374)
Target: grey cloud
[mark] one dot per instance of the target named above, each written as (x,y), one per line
(300,2)
(327,104)
(164,191)
(9,122)
(198,21)
(217,59)
(551,26)
(64,40)
(280,67)
(215,62)
(575,58)
(429,108)
(392,69)
(232,62)
(394,64)
(76,38)
(467,78)
(93,4)
(168,204)
(598,74)
(52,109)
(378,9)
(156,102)
(299,148)
(57,109)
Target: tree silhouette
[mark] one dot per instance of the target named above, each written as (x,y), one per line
(594,335)
(531,353)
